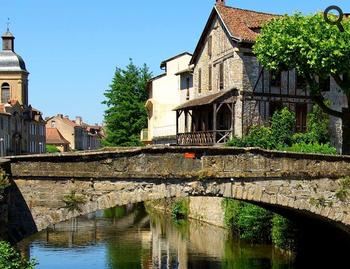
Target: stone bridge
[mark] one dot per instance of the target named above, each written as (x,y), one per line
(311,185)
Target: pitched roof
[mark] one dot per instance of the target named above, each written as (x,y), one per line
(243,24)
(163,63)
(207,100)
(54,137)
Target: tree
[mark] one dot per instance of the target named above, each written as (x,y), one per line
(11,258)
(126,114)
(316,50)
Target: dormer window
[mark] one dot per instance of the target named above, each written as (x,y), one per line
(5,93)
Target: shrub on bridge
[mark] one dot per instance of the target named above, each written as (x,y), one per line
(311,148)
(11,259)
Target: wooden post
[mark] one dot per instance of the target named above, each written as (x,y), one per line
(214,121)
(177,122)
(232,120)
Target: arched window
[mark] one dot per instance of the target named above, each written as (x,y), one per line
(5,93)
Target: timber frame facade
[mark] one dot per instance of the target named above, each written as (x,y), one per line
(233,92)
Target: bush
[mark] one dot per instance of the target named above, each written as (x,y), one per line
(311,148)
(318,125)
(254,223)
(180,209)
(251,222)
(284,233)
(282,127)
(73,202)
(51,149)
(11,259)
(259,136)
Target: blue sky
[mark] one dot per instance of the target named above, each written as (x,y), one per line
(71,48)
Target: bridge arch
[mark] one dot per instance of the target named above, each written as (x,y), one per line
(304,183)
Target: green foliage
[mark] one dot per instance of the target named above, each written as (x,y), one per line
(311,148)
(259,136)
(11,259)
(4,180)
(73,201)
(231,211)
(115,212)
(307,43)
(252,223)
(318,125)
(126,115)
(284,233)
(281,134)
(282,127)
(180,209)
(344,191)
(51,149)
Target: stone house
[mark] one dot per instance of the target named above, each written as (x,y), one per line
(233,92)
(22,128)
(56,139)
(79,135)
(167,91)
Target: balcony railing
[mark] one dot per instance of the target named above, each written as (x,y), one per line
(204,138)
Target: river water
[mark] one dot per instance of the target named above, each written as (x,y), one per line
(130,238)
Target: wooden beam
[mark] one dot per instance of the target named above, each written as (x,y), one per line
(214,121)
(177,122)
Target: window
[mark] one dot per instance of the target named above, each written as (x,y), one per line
(2,123)
(210,78)
(187,88)
(275,79)
(53,124)
(300,82)
(325,84)
(199,80)
(5,93)
(221,76)
(210,46)
(301,115)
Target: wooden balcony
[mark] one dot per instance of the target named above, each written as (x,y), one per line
(204,138)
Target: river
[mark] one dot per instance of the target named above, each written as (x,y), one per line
(128,237)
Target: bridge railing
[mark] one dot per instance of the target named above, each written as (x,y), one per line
(204,137)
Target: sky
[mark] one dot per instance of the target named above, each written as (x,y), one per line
(72,47)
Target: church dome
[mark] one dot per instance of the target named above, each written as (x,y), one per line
(10,61)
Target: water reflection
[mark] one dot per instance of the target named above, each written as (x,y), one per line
(127,237)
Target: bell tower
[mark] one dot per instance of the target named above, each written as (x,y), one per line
(13,72)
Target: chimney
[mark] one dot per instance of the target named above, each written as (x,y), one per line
(60,116)
(221,2)
(78,120)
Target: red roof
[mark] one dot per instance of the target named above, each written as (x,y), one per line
(54,137)
(243,24)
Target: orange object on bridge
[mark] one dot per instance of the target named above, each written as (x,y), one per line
(190,155)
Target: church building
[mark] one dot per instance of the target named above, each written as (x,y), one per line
(22,128)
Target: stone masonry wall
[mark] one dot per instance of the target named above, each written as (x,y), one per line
(295,182)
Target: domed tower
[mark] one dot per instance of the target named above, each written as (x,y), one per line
(13,73)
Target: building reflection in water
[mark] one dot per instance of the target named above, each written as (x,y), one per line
(130,238)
